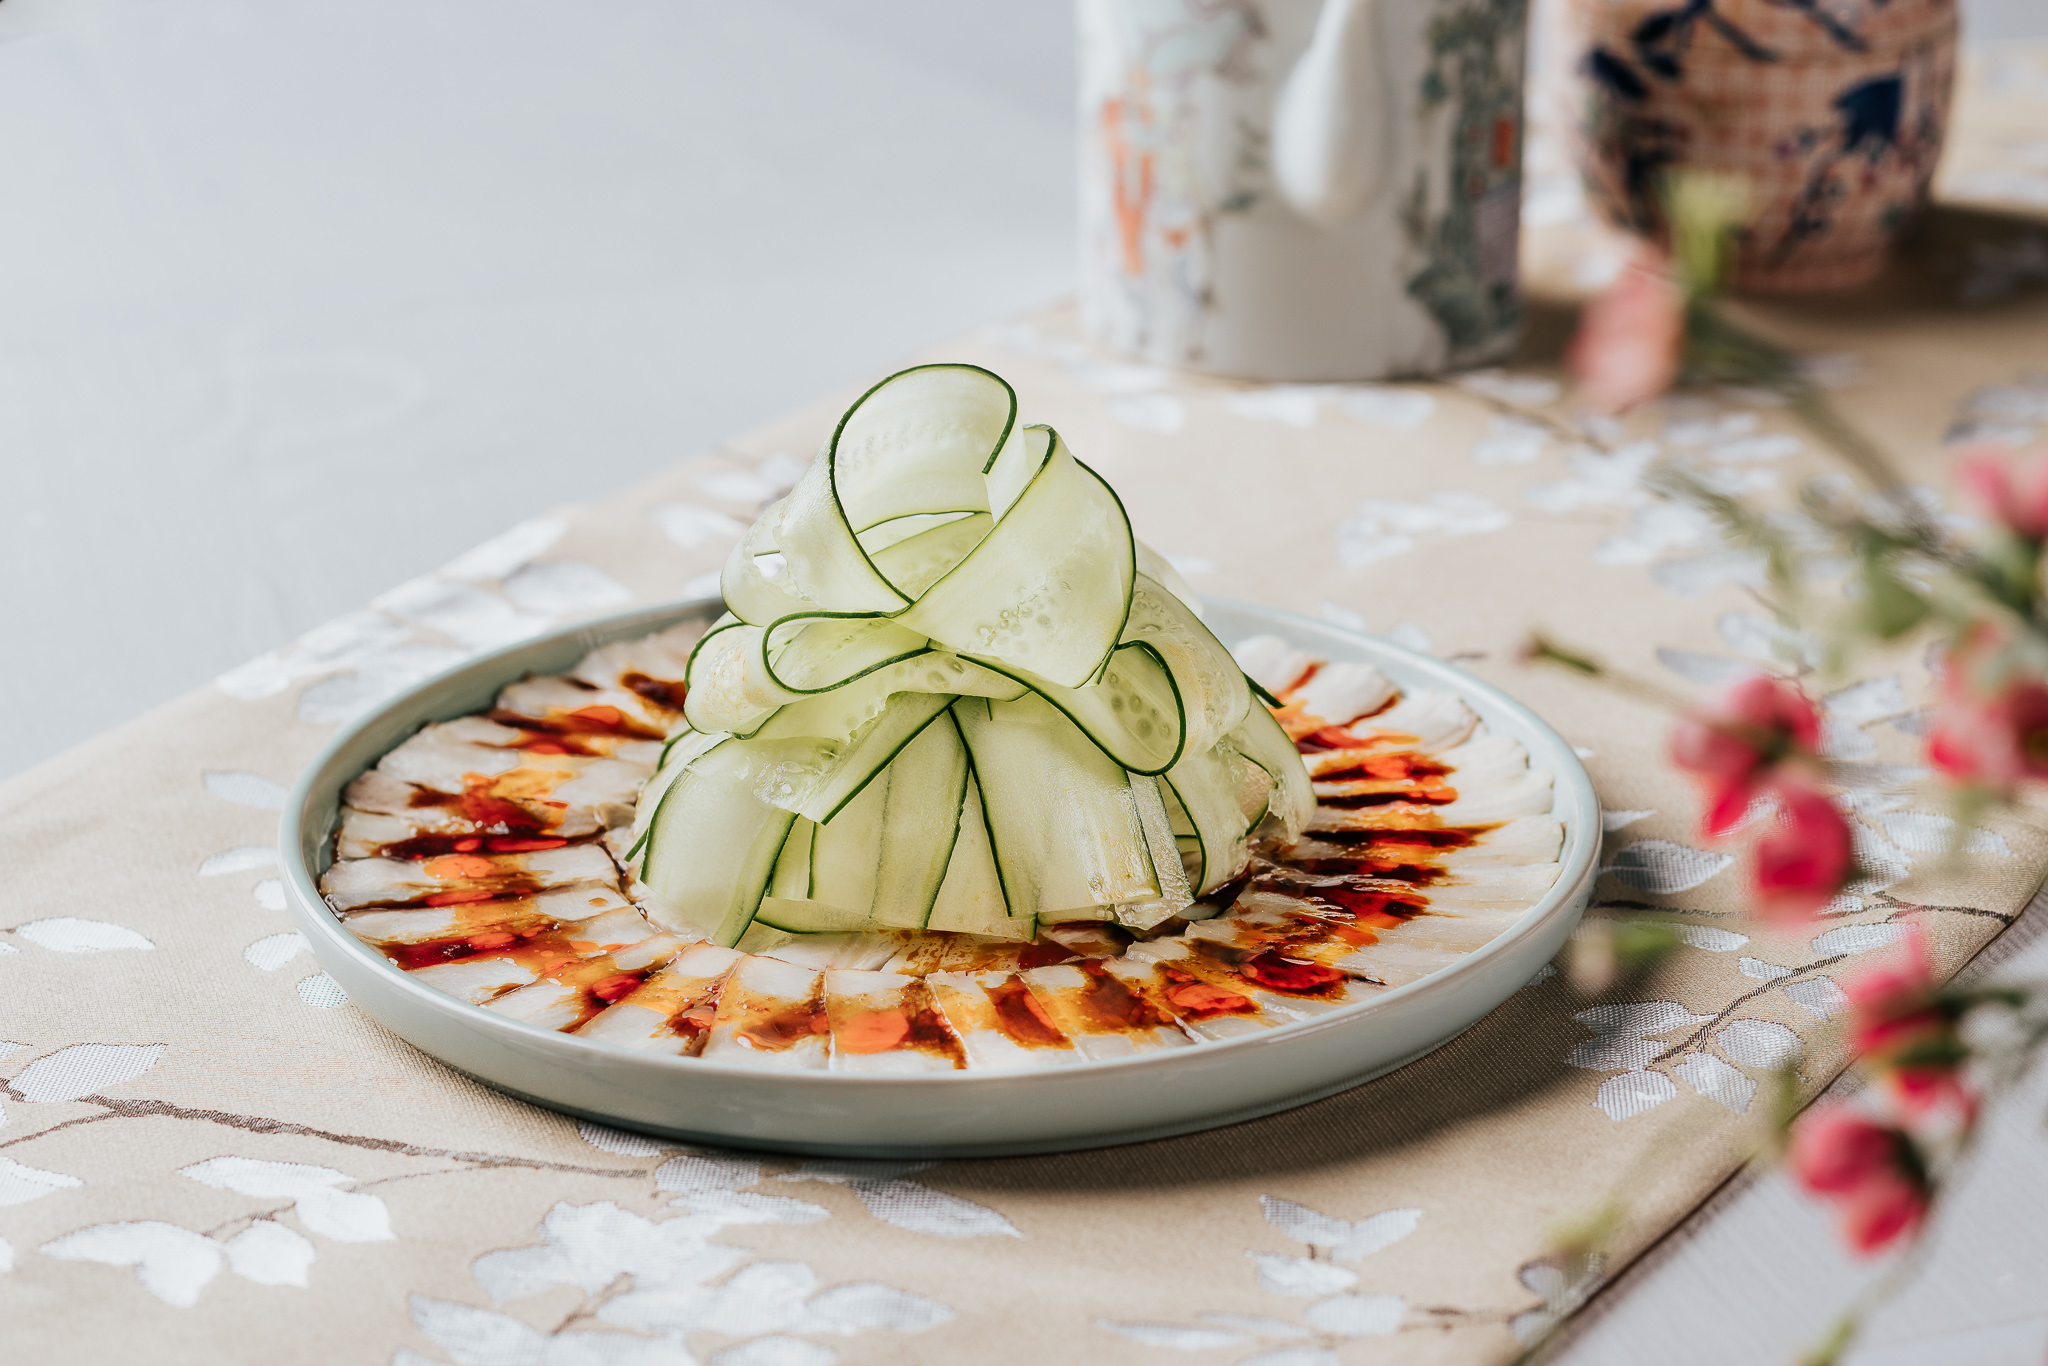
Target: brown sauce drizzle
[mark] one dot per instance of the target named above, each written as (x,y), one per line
(784,1025)
(1200,1000)
(1111,1003)
(1021,1018)
(658,691)
(913,1026)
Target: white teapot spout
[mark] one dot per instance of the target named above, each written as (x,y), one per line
(1332,125)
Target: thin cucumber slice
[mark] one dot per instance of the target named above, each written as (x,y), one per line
(915,443)
(713,845)
(1133,714)
(919,561)
(970,900)
(883,855)
(791,880)
(1261,740)
(821,651)
(896,530)
(849,771)
(1175,895)
(1212,790)
(809,917)
(755,581)
(1049,588)
(1211,687)
(1061,818)
(927,785)
(682,749)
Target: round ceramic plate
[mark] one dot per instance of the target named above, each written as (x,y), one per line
(934,1114)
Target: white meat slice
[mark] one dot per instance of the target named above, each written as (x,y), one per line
(965,999)
(563,997)
(1434,720)
(359,882)
(573,904)
(1203,1026)
(646,1021)
(1342,692)
(875,1024)
(474,980)
(664,657)
(554,700)
(1066,993)
(1527,795)
(857,950)
(1272,663)
(1397,964)
(771,1014)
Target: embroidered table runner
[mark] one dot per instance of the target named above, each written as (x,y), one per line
(207,1153)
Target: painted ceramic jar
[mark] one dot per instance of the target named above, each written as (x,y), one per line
(1302,189)
(1833,110)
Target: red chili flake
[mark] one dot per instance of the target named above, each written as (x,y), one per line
(613,987)
(458,898)
(492,939)
(1199,999)
(1269,969)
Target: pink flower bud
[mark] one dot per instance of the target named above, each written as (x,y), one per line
(1872,1171)
(2012,488)
(1628,345)
(1802,863)
(1734,741)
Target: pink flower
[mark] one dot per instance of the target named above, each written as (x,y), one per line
(1802,863)
(2014,489)
(1873,1172)
(1996,741)
(1629,340)
(1906,1032)
(1992,725)
(1736,742)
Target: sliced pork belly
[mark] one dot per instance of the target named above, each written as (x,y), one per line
(1104,1015)
(1527,794)
(919,955)
(1000,1024)
(1272,663)
(1425,719)
(572,993)
(572,706)
(1338,694)
(858,951)
(883,1022)
(1280,987)
(771,1014)
(480,966)
(652,667)
(477,979)
(502,915)
(671,1011)
(448,878)
(1206,1011)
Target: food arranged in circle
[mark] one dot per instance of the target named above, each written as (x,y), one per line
(960,782)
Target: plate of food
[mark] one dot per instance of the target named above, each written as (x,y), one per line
(960,826)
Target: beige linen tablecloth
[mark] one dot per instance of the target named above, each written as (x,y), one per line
(208,1154)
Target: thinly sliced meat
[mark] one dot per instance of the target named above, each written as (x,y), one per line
(573,993)
(450,878)
(504,915)
(771,1014)
(1104,1015)
(670,1012)
(883,1022)
(999,1022)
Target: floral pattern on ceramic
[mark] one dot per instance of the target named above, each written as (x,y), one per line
(1834,114)
(1191,256)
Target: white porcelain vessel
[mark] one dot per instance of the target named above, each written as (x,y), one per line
(1302,189)
(945,1114)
